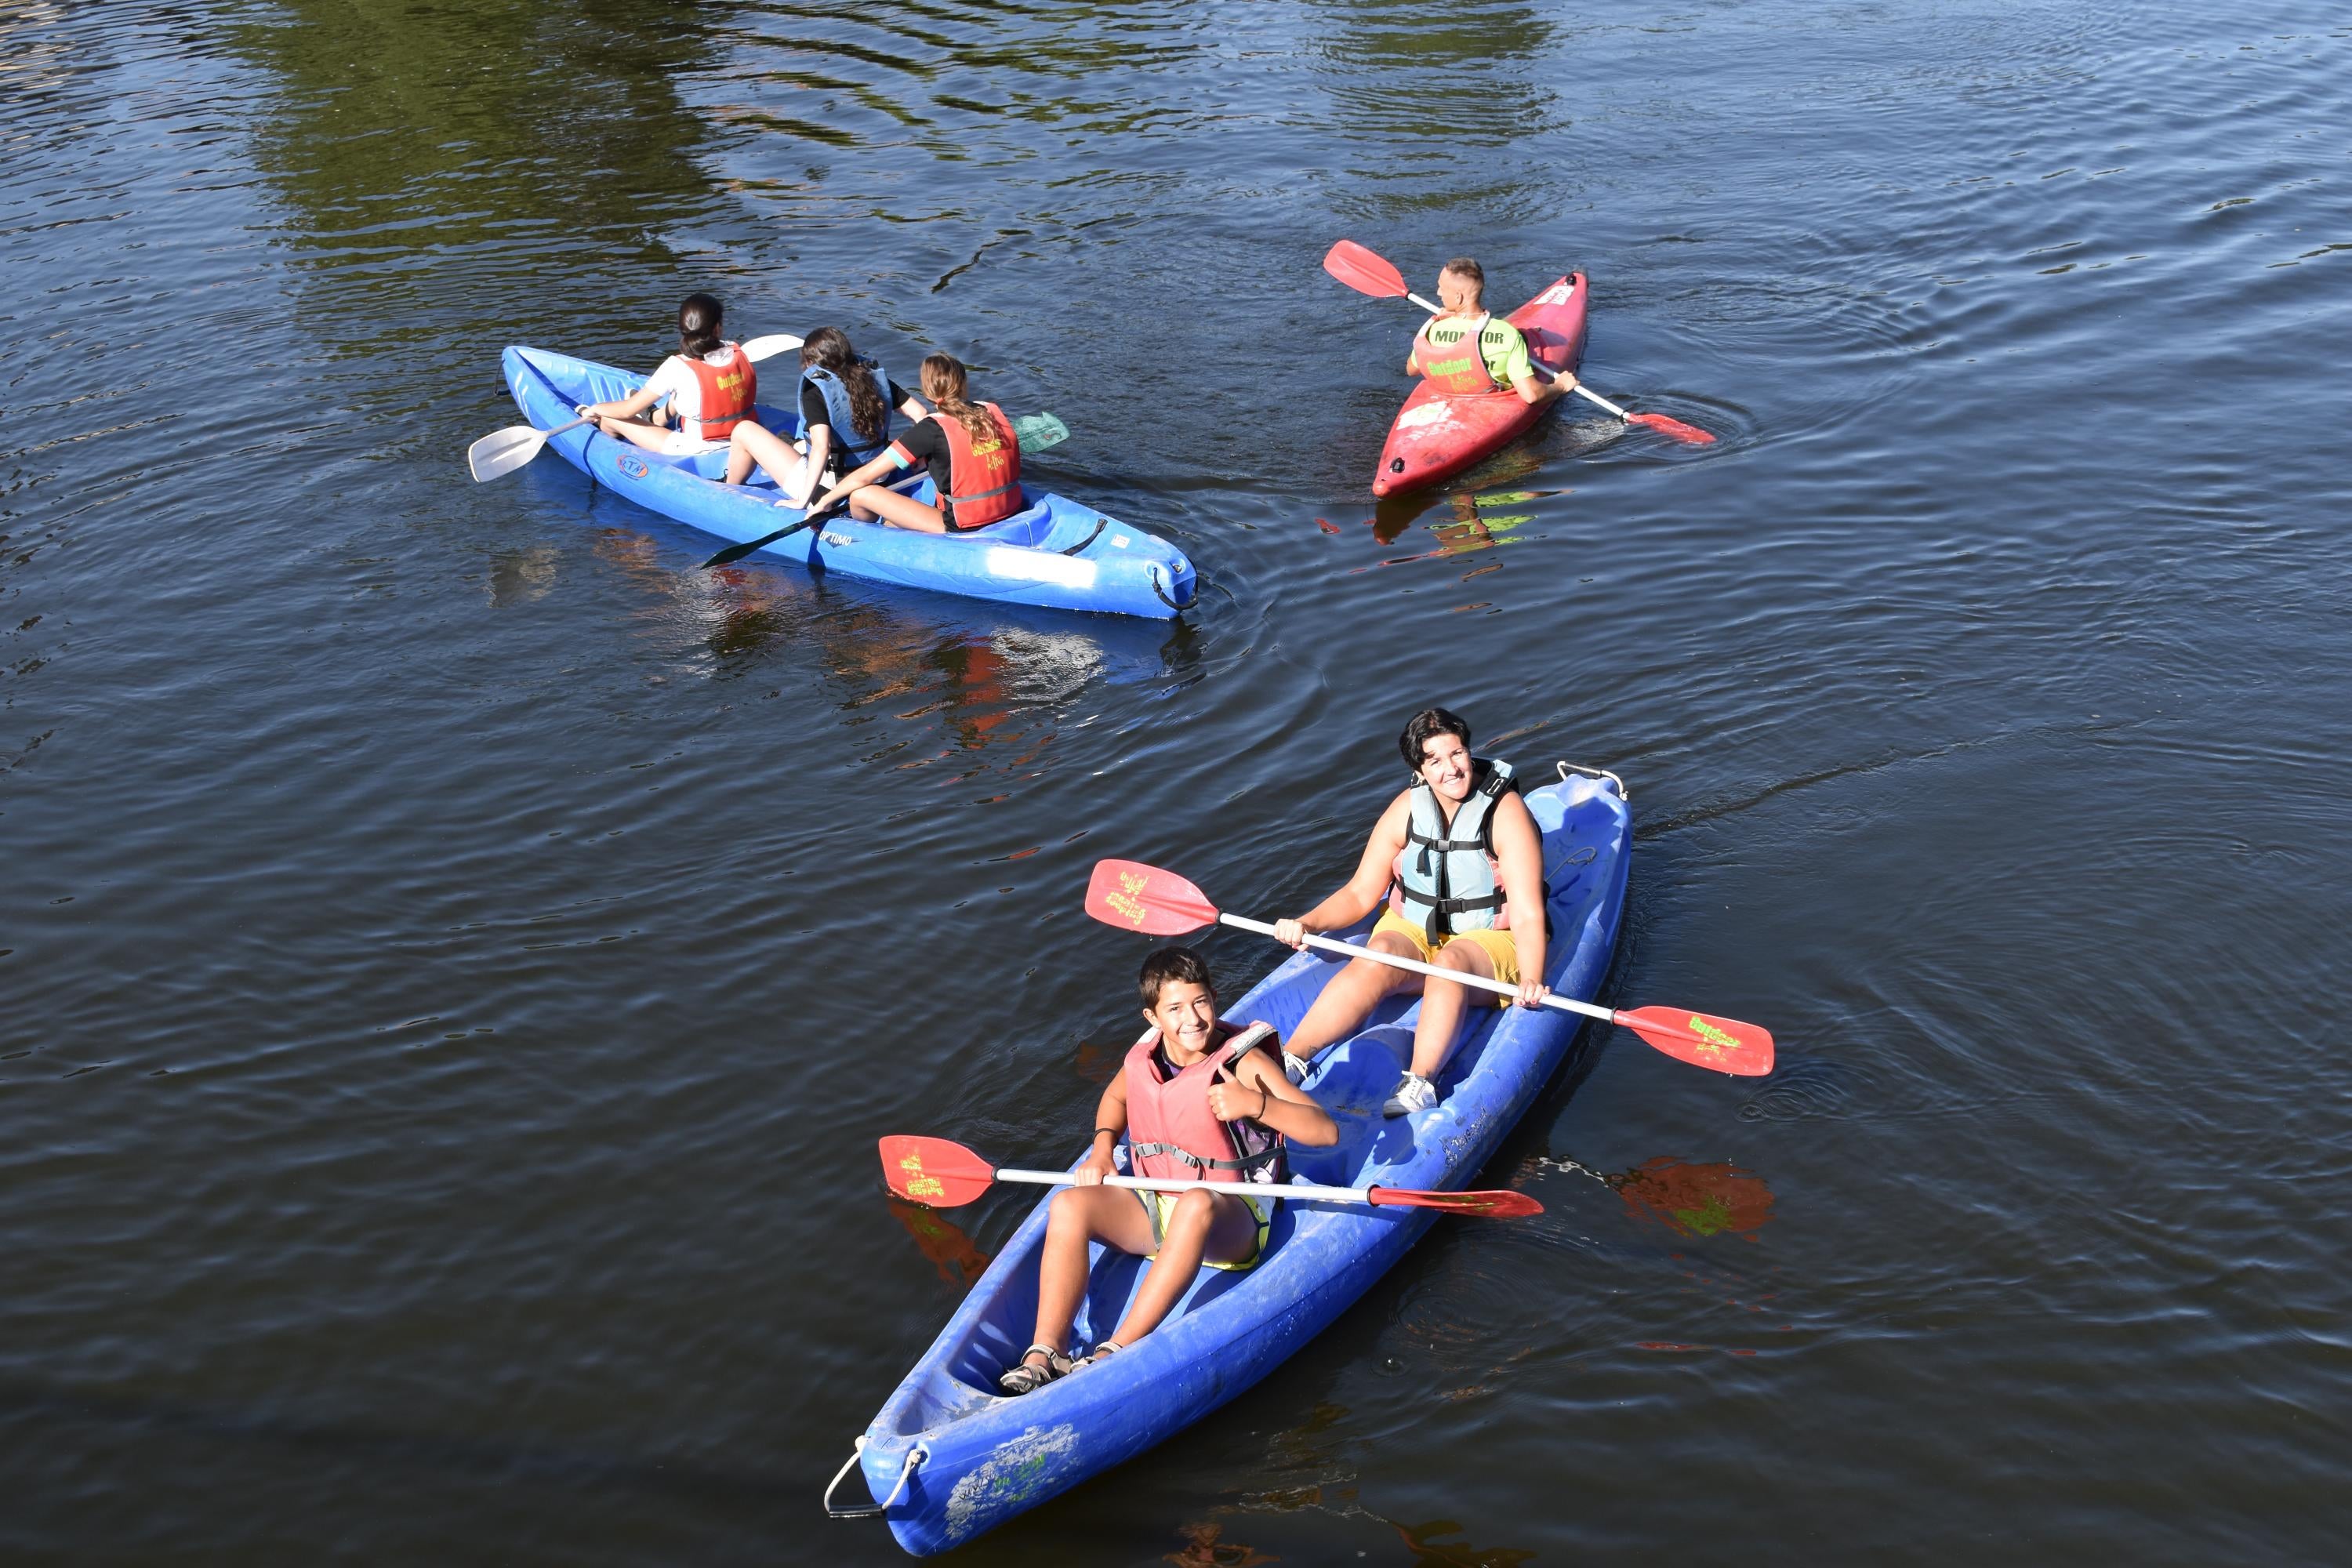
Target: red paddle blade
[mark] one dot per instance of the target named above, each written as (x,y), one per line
(1135,897)
(1701,1039)
(1667,426)
(1485,1206)
(1364,271)
(935,1172)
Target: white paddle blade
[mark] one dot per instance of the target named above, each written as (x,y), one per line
(770,346)
(504,451)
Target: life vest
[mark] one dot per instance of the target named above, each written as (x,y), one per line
(853,450)
(1447,878)
(728,391)
(1172,1132)
(983,476)
(1459,367)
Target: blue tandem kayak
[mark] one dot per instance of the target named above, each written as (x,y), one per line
(951,1458)
(1058,553)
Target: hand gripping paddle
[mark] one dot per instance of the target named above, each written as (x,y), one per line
(1135,897)
(1367,272)
(948,1175)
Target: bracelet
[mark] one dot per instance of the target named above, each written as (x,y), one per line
(1100,1131)
(1265,1102)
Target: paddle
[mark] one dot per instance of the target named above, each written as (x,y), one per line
(1136,897)
(503,451)
(1368,273)
(947,1175)
(1034,432)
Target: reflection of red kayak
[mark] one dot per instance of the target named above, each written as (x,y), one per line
(1435,436)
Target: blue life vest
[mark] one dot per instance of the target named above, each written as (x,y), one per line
(854,451)
(1447,878)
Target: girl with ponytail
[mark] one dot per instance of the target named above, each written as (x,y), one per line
(974,461)
(709,382)
(844,419)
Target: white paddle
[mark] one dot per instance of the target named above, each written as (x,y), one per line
(503,451)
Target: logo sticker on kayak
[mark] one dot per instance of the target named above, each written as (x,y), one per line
(634,467)
(1556,295)
(1126,901)
(1434,412)
(837,540)
(920,1186)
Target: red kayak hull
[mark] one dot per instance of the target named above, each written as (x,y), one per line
(1435,436)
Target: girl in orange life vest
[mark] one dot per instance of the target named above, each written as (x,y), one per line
(974,458)
(1180,1101)
(1460,364)
(1413,862)
(845,408)
(709,382)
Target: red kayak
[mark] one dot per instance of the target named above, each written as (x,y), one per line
(1437,435)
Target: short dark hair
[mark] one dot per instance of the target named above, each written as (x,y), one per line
(699,317)
(1172,963)
(1430,721)
(1464,266)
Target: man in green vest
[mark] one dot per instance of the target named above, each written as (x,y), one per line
(1444,348)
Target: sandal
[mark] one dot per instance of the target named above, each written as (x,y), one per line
(1028,1376)
(1100,1353)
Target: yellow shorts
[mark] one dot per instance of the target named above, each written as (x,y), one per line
(1160,1206)
(1500,950)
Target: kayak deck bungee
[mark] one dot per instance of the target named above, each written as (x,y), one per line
(1436,435)
(949,1457)
(1058,553)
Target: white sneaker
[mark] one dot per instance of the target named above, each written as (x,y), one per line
(1294,1067)
(1412,1093)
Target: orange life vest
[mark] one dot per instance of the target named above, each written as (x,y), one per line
(983,476)
(727,391)
(1459,367)
(1171,1130)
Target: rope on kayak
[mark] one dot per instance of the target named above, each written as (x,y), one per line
(915,1456)
(1161,593)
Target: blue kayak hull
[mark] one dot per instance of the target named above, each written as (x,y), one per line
(980,1458)
(1058,553)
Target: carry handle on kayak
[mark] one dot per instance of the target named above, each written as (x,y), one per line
(915,1456)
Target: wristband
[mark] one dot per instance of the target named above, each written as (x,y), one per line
(1112,1131)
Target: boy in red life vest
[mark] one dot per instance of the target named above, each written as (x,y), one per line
(1466,350)
(1198,1101)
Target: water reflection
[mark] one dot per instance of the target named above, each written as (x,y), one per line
(1405,64)
(1206,1548)
(1689,1199)
(959,1261)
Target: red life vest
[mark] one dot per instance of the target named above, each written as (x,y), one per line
(983,476)
(1170,1131)
(1459,367)
(728,391)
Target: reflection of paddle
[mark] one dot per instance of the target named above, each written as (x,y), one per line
(1367,272)
(1696,1200)
(1034,432)
(949,1176)
(504,451)
(1135,897)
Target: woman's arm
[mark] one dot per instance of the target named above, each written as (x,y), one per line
(886,463)
(819,447)
(655,388)
(913,409)
(1364,891)
(1110,1120)
(1519,846)
(1270,1099)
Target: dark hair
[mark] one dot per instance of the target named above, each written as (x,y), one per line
(828,348)
(1430,721)
(944,382)
(1172,963)
(1464,266)
(697,325)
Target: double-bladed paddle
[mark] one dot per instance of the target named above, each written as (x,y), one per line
(1368,273)
(503,451)
(948,1175)
(1135,897)
(1034,432)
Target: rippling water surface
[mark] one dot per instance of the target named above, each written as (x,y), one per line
(458,955)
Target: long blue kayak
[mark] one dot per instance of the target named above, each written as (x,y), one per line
(949,1457)
(1059,553)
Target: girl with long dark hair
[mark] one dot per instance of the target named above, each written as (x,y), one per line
(974,459)
(710,382)
(845,408)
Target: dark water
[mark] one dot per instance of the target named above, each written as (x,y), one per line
(458,956)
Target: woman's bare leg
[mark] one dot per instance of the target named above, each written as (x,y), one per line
(897,511)
(1349,996)
(647,436)
(1203,1227)
(1443,1004)
(1080,1215)
(749,444)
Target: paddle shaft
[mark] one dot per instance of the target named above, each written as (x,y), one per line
(1580,388)
(1435,971)
(1240,1189)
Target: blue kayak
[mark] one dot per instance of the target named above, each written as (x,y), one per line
(1058,553)
(952,1458)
